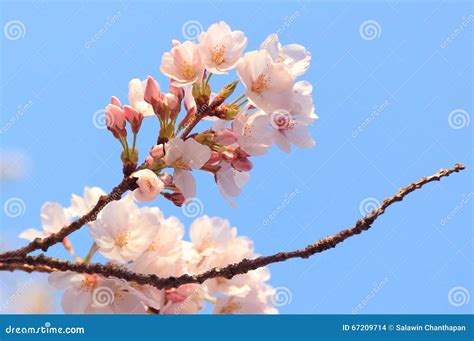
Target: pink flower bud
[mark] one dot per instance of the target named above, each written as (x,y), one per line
(174,105)
(115,118)
(134,117)
(214,159)
(149,161)
(152,90)
(115,101)
(242,164)
(167,179)
(177,198)
(177,91)
(226,137)
(157,151)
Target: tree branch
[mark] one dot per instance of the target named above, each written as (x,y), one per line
(203,111)
(25,263)
(128,183)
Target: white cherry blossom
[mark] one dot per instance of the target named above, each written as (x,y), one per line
(230,181)
(268,85)
(82,205)
(92,294)
(294,57)
(125,231)
(291,127)
(252,130)
(184,156)
(186,299)
(53,218)
(149,185)
(183,64)
(221,48)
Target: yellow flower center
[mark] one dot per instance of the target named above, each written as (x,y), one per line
(218,54)
(89,283)
(121,239)
(230,308)
(247,130)
(188,71)
(206,244)
(147,184)
(261,83)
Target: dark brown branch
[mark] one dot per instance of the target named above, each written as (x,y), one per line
(203,111)
(128,183)
(26,267)
(241,267)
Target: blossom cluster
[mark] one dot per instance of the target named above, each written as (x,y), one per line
(142,240)
(274,108)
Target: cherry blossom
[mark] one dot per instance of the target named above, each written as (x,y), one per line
(291,127)
(221,48)
(186,299)
(136,96)
(53,218)
(252,303)
(252,130)
(183,64)
(82,205)
(184,156)
(125,231)
(268,84)
(274,108)
(294,57)
(92,294)
(230,181)
(149,185)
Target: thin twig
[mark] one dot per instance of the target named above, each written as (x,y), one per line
(203,111)
(231,270)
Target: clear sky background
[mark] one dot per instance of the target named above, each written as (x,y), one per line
(384,96)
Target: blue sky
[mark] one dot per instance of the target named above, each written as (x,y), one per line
(393,90)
